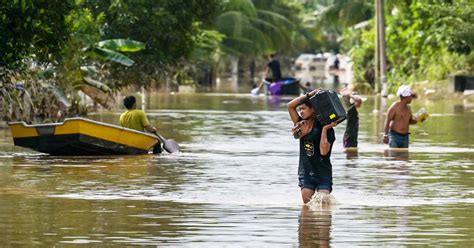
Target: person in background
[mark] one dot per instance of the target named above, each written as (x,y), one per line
(273,66)
(306,87)
(336,62)
(336,70)
(352,102)
(134,118)
(399,118)
(316,140)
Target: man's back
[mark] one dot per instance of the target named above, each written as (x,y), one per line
(134,119)
(274,66)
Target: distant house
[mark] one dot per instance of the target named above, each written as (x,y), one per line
(319,68)
(311,67)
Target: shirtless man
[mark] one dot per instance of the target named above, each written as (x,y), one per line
(399,118)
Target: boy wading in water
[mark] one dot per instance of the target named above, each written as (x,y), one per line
(399,118)
(316,140)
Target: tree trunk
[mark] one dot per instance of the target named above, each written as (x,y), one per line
(383,58)
(252,73)
(105,99)
(235,73)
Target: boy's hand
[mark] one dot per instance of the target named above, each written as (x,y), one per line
(330,125)
(314,92)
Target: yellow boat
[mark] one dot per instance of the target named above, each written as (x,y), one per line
(81,136)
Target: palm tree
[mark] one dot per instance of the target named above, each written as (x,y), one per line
(250,31)
(327,19)
(341,13)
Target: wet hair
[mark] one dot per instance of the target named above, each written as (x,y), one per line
(129,101)
(306,102)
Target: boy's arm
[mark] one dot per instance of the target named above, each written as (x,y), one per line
(292,107)
(325,143)
(297,101)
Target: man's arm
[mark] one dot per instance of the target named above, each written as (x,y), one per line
(346,96)
(150,128)
(146,123)
(412,118)
(267,70)
(388,122)
(347,100)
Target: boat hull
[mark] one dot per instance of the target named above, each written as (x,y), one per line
(287,86)
(82,137)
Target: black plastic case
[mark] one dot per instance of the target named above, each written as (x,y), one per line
(328,107)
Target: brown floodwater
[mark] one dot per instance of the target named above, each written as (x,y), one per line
(235,183)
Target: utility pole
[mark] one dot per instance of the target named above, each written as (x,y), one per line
(377,51)
(381,46)
(143,97)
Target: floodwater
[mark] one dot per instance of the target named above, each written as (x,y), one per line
(235,183)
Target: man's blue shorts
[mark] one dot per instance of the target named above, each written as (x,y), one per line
(398,140)
(315,182)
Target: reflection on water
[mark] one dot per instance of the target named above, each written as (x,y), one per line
(397,154)
(315,227)
(235,183)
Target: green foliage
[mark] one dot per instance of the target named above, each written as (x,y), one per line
(121,45)
(108,54)
(167,27)
(208,40)
(85,30)
(69,36)
(425,40)
(31,30)
(361,47)
(253,28)
(171,31)
(25,97)
(80,68)
(324,21)
(427,36)
(97,84)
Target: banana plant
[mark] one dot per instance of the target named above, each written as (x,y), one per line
(91,82)
(27,97)
(107,50)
